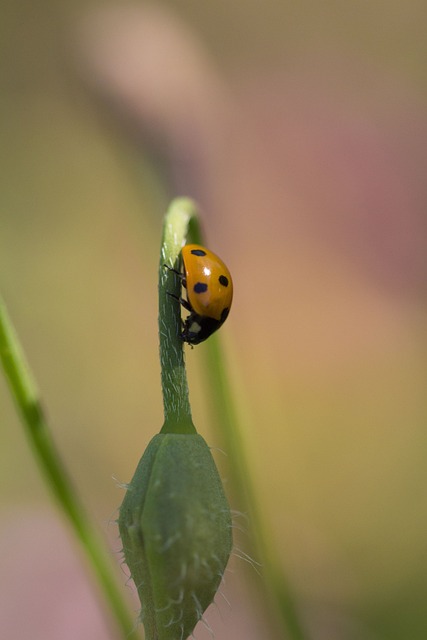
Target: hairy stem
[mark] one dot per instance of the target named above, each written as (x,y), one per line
(181,222)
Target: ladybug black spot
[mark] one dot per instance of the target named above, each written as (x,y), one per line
(198,252)
(200,287)
(223,280)
(224,314)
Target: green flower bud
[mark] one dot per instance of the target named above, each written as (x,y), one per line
(175,526)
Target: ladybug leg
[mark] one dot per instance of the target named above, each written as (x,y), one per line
(182,301)
(172,295)
(178,273)
(186,304)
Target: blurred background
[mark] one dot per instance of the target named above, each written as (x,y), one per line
(301,130)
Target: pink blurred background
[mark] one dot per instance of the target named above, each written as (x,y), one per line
(302,131)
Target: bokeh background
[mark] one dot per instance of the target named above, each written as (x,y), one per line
(301,129)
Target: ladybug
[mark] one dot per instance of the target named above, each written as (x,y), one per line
(209,293)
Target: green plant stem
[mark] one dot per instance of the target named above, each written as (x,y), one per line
(181,222)
(229,422)
(26,397)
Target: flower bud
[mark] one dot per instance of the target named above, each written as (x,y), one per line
(175,526)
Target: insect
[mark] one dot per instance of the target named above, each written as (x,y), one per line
(209,292)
